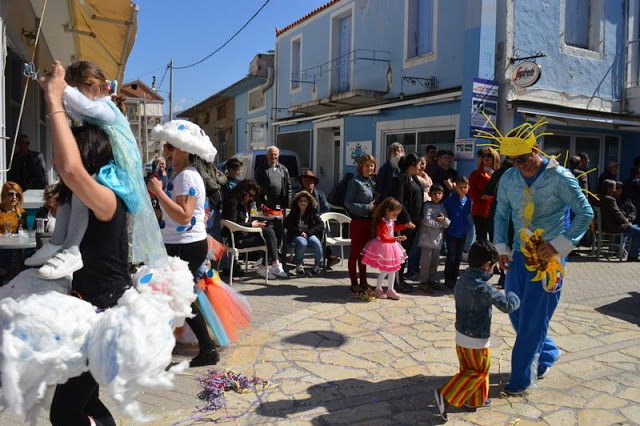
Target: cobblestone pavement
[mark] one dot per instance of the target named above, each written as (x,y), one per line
(333,359)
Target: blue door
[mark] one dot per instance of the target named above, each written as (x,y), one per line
(344,64)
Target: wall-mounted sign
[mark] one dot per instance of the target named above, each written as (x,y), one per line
(355,150)
(463,149)
(526,74)
(484,99)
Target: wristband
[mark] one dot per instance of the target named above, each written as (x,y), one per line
(54,112)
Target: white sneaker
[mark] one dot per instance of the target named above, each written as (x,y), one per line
(262,271)
(61,265)
(300,270)
(278,271)
(43,254)
(257,262)
(317,270)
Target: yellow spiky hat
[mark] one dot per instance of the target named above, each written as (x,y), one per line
(519,141)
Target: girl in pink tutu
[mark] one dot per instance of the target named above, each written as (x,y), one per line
(384,251)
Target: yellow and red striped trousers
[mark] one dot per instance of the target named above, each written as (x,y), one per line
(471,385)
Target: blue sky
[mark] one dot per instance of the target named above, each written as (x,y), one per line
(188,30)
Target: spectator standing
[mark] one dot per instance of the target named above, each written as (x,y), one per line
(430,154)
(359,202)
(442,173)
(28,169)
(611,173)
(414,252)
(434,222)
(388,171)
(336,197)
(614,221)
(274,181)
(161,171)
(458,207)
(408,191)
(488,163)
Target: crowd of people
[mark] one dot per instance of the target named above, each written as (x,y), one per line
(404,216)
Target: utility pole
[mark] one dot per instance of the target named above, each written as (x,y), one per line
(171,89)
(145,139)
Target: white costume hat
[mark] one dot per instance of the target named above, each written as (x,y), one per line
(186,136)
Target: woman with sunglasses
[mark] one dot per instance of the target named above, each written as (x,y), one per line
(488,161)
(237,209)
(182,203)
(12,215)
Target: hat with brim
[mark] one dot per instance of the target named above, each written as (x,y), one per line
(186,136)
(309,174)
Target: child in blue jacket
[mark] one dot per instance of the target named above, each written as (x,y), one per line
(458,207)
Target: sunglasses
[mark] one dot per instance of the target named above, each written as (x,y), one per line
(487,155)
(13,194)
(522,159)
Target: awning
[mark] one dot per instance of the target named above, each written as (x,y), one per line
(99,31)
(579,117)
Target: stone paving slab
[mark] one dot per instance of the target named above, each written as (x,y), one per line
(338,360)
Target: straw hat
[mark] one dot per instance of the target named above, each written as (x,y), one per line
(186,136)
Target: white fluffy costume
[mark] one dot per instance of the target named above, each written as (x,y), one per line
(49,336)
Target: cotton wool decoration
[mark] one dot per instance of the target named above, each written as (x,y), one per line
(129,348)
(174,280)
(43,343)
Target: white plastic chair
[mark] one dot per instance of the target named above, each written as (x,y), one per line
(331,240)
(234,251)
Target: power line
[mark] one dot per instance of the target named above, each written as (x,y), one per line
(226,42)
(162,79)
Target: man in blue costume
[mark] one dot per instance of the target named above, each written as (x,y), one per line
(535,194)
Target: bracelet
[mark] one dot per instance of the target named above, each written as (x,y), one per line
(54,112)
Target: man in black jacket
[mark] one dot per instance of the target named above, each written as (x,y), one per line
(28,169)
(274,181)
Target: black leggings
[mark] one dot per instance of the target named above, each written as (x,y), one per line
(76,400)
(194,254)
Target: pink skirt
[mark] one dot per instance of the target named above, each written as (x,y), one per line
(385,256)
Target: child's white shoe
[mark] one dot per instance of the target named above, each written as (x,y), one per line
(61,265)
(43,254)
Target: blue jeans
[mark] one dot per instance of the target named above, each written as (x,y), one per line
(302,244)
(634,233)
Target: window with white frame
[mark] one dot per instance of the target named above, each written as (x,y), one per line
(257,135)
(582,23)
(418,140)
(420,28)
(296,63)
(256,99)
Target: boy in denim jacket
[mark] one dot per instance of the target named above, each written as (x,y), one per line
(474,299)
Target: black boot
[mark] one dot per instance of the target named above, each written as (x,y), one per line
(205,357)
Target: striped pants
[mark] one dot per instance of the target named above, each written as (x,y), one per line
(471,385)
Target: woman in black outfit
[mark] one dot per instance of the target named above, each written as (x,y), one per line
(407,189)
(237,209)
(105,275)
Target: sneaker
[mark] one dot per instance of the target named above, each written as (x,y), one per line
(426,287)
(487,403)
(317,270)
(508,392)
(391,294)
(380,294)
(278,271)
(411,275)
(61,265)
(43,254)
(333,261)
(262,271)
(205,358)
(258,262)
(300,271)
(544,373)
(441,404)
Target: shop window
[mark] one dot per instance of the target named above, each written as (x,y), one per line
(417,141)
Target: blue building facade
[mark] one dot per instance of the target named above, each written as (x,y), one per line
(354,76)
